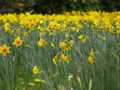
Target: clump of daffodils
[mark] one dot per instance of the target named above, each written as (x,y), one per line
(54,26)
(6,27)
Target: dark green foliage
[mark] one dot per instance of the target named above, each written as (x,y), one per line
(52,6)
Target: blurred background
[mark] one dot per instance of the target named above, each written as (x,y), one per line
(57,6)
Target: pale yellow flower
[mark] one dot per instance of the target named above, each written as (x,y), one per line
(83,38)
(42,43)
(36,70)
(55,59)
(91,57)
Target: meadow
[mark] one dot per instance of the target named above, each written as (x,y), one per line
(69,51)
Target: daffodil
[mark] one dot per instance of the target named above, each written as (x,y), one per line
(4,50)
(55,59)
(83,38)
(65,58)
(18,41)
(36,70)
(91,57)
(65,46)
(62,45)
(42,43)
